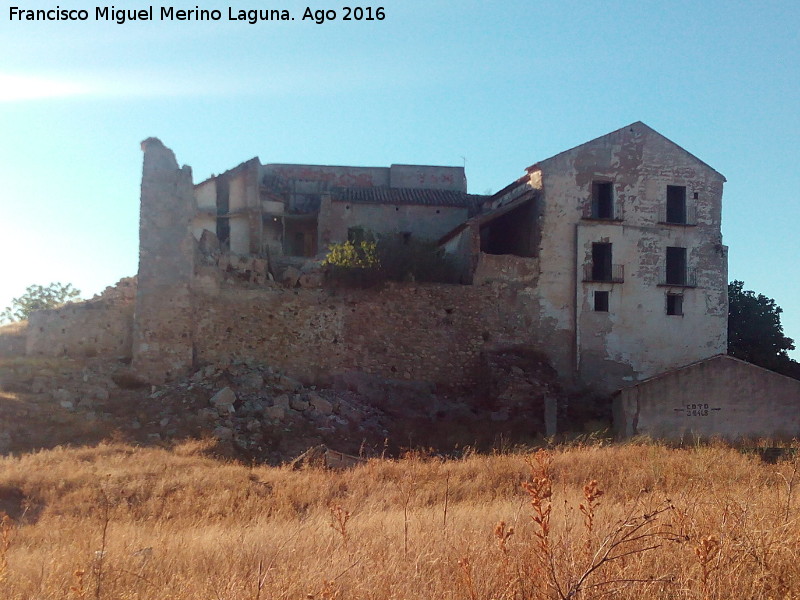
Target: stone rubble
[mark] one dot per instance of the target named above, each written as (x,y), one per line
(256,412)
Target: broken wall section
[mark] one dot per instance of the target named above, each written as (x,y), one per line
(162,332)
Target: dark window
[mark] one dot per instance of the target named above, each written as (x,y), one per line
(356,235)
(602,200)
(674,304)
(601,301)
(601,261)
(676,266)
(676,204)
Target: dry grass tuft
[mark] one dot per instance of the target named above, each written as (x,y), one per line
(629,521)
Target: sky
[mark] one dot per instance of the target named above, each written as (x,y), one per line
(493,86)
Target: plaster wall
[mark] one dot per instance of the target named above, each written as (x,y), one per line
(239,234)
(721,396)
(635,339)
(205,195)
(331,176)
(422,221)
(428,177)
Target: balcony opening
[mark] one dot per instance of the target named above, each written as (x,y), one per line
(601,301)
(675,304)
(602,200)
(601,261)
(676,204)
(676,266)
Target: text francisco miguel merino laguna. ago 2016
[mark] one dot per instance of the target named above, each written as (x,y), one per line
(171,13)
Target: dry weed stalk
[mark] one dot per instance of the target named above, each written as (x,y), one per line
(591,492)
(339,518)
(100,555)
(634,534)
(502,533)
(466,569)
(706,550)
(540,492)
(6,535)
(78,589)
(506,577)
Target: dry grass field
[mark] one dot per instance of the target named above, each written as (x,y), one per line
(628,521)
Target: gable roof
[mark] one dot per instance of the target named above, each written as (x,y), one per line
(692,365)
(637,125)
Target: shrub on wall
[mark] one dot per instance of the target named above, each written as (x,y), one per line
(365,260)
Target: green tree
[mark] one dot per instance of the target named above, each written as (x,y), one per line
(755,333)
(38,297)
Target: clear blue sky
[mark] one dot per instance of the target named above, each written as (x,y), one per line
(498,85)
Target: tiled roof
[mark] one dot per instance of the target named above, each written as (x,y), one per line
(399,196)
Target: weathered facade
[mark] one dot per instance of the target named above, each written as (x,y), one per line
(620,241)
(718,397)
(606,258)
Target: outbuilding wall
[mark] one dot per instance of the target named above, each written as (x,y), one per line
(719,397)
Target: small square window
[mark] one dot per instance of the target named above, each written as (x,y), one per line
(601,301)
(675,304)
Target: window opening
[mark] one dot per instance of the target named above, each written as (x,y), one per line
(675,304)
(601,301)
(602,200)
(676,266)
(676,204)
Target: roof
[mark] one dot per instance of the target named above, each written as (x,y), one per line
(638,125)
(716,357)
(399,196)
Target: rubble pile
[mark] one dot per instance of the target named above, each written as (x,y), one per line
(256,412)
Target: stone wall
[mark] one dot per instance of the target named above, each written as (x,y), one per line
(719,397)
(84,329)
(13,338)
(423,332)
(162,340)
(101,326)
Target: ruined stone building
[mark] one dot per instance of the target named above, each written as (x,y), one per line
(606,259)
(299,210)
